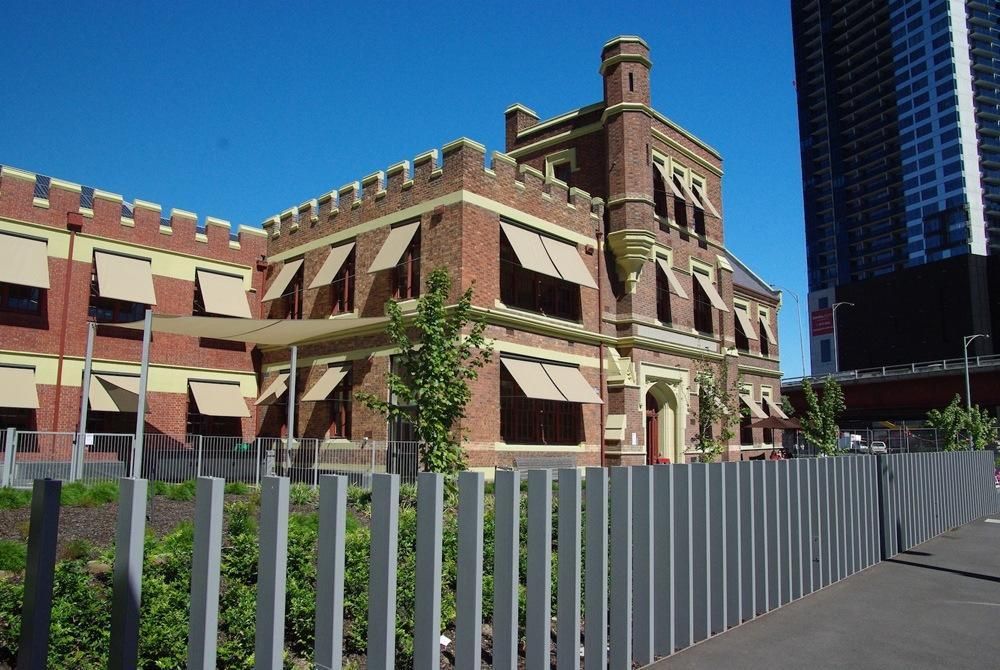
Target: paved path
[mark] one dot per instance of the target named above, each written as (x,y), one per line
(936,606)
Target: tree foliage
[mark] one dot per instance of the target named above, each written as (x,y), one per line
(819,424)
(437,361)
(963,428)
(718,407)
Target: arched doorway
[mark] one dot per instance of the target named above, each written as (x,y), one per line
(661,424)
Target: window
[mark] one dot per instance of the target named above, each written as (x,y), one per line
(533,291)
(340,408)
(293,297)
(563,172)
(204,424)
(561,165)
(17,298)
(659,192)
(663,312)
(17,417)
(765,340)
(765,397)
(742,341)
(342,288)
(526,420)
(680,207)
(746,431)
(825,355)
(406,274)
(702,305)
(112,310)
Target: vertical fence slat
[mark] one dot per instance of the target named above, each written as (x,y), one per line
(809,551)
(203,625)
(760,508)
(642,564)
(663,575)
(773,552)
(620,654)
(596,592)
(748,571)
(382,572)
(330,571)
(568,595)
(699,551)
(39,574)
(427,594)
(507,495)
(539,577)
(271,573)
(469,594)
(717,484)
(682,555)
(10,440)
(130,536)
(795,525)
(732,544)
(784,548)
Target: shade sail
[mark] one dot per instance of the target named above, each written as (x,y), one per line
(24,261)
(675,285)
(223,294)
(265,332)
(125,278)
(700,192)
(17,388)
(322,389)
(709,288)
(219,399)
(528,248)
(568,262)
(331,266)
(281,282)
(274,390)
(532,379)
(755,410)
(114,393)
(766,327)
(572,384)
(394,246)
(775,409)
(744,319)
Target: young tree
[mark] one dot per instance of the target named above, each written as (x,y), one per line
(963,428)
(819,424)
(718,405)
(437,365)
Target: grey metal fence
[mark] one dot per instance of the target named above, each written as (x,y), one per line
(694,550)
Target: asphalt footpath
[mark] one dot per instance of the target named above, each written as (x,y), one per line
(935,606)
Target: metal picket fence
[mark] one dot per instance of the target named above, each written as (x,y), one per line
(673,555)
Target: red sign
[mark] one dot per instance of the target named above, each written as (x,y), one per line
(822,321)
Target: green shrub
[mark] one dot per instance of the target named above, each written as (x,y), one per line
(183,492)
(78,549)
(237,488)
(81,494)
(13,555)
(14,498)
(242,518)
(303,494)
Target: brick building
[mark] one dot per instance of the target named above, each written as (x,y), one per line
(594,243)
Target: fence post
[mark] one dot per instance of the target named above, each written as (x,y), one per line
(201,441)
(271,573)
(539,577)
(568,594)
(36,611)
(382,571)
(204,621)
(642,564)
(596,620)
(681,561)
(8,457)
(427,596)
(507,496)
(259,467)
(330,572)
(663,575)
(316,464)
(621,568)
(699,551)
(130,537)
(469,580)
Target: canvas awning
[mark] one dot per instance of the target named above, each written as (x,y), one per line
(700,192)
(265,332)
(17,388)
(709,288)
(766,327)
(281,282)
(667,180)
(331,266)
(322,389)
(675,285)
(274,390)
(775,409)
(755,410)
(546,381)
(219,399)
(125,278)
(24,261)
(114,393)
(688,193)
(223,294)
(394,246)
(547,256)
(744,320)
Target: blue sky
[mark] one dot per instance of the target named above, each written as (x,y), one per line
(239,110)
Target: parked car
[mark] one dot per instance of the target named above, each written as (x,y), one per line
(879,448)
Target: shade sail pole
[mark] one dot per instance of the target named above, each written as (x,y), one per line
(140,412)
(81,427)
(291,400)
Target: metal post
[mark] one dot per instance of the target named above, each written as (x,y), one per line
(290,419)
(204,622)
(642,564)
(596,592)
(271,574)
(130,537)
(965,355)
(427,596)
(620,651)
(469,580)
(76,469)
(330,571)
(201,441)
(382,571)
(8,457)
(36,614)
(539,577)
(507,496)
(140,412)
(568,595)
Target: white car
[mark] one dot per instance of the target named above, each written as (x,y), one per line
(879,448)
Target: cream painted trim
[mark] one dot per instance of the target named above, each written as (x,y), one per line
(621,39)
(526,219)
(518,106)
(624,58)
(385,351)
(555,448)
(555,139)
(64,185)
(679,381)
(460,143)
(766,392)
(703,267)
(754,370)
(40,202)
(16,173)
(556,120)
(504,347)
(145,204)
(560,158)
(687,153)
(742,304)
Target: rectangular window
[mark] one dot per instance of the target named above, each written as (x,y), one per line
(406,274)
(293,297)
(534,291)
(17,298)
(563,172)
(663,312)
(342,288)
(746,432)
(204,424)
(825,355)
(742,341)
(111,310)
(340,408)
(526,420)
(659,191)
(702,306)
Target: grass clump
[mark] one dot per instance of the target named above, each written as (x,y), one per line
(303,494)
(13,555)
(183,492)
(237,488)
(14,498)
(81,494)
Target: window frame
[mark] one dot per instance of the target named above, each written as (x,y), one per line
(703,311)
(557,159)
(340,407)
(6,304)
(406,273)
(765,346)
(535,292)
(114,305)
(664,307)
(531,421)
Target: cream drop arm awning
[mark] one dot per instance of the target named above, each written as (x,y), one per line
(766,327)
(17,388)
(667,180)
(709,288)
(755,410)
(568,262)
(114,393)
(324,387)
(548,256)
(744,319)
(614,428)
(572,384)
(675,285)
(281,282)
(331,266)
(274,390)
(24,261)
(223,294)
(125,278)
(700,192)
(390,253)
(545,381)
(688,193)
(219,399)
(775,408)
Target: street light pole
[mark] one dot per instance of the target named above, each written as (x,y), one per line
(836,342)
(798,321)
(966,341)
